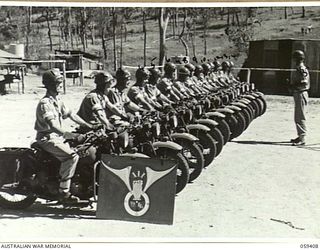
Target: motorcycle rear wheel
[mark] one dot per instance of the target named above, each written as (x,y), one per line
(16,201)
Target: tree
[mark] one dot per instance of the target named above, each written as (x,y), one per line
(163,19)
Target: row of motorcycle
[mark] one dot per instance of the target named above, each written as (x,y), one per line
(192,133)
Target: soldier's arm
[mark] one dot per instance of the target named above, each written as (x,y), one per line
(114,109)
(77,119)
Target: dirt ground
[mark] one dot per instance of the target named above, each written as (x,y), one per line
(259,187)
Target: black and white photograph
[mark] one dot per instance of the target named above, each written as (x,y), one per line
(159,122)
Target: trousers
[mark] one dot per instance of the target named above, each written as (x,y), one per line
(66,155)
(300,106)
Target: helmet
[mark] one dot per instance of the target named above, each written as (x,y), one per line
(142,74)
(155,74)
(231,64)
(225,65)
(183,71)
(169,68)
(216,64)
(206,68)
(103,77)
(122,75)
(51,77)
(190,67)
(298,54)
(198,70)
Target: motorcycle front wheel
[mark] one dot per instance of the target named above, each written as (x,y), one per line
(183,174)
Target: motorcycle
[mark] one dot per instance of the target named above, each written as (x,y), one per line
(33,173)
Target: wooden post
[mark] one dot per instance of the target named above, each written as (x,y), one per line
(81,72)
(248,75)
(22,78)
(64,76)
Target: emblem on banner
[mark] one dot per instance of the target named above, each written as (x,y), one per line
(138,181)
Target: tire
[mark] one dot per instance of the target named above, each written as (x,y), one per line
(255,108)
(246,115)
(241,125)
(218,137)
(251,112)
(224,129)
(182,169)
(261,106)
(193,154)
(8,201)
(264,104)
(208,144)
(233,124)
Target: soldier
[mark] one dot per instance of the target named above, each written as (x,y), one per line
(119,94)
(137,93)
(94,105)
(299,86)
(51,136)
(151,87)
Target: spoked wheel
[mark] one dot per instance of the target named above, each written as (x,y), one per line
(218,137)
(233,124)
(193,154)
(10,200)
(182,168)
(241,125)
(209,147)
(224,129)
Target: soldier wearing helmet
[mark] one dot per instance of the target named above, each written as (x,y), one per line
(137,94)
(96,106)
(299,86)
(51,136)
(118,95)
(166,84)
(151,87)
(185,84)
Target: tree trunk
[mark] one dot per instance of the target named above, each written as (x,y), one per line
(115,59)
(228,17)
(205,38)
(29,15)
(103,41)
(285,13)
(144,38)
(303,12)
(49,29)
(186,48)
(163,24)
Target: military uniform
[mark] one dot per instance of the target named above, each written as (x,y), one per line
(300,84)
(54,109)
(118,99)
(93,102)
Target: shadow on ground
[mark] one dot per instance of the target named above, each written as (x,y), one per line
(313,147)
(48,211)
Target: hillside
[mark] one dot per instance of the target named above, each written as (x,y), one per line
(265,23)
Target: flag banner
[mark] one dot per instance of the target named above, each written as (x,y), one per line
(136,189)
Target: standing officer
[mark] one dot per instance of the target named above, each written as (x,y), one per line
(299,86)
(50,134)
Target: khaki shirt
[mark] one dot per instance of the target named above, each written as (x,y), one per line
(92,103)
(300,80)
(49,109)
